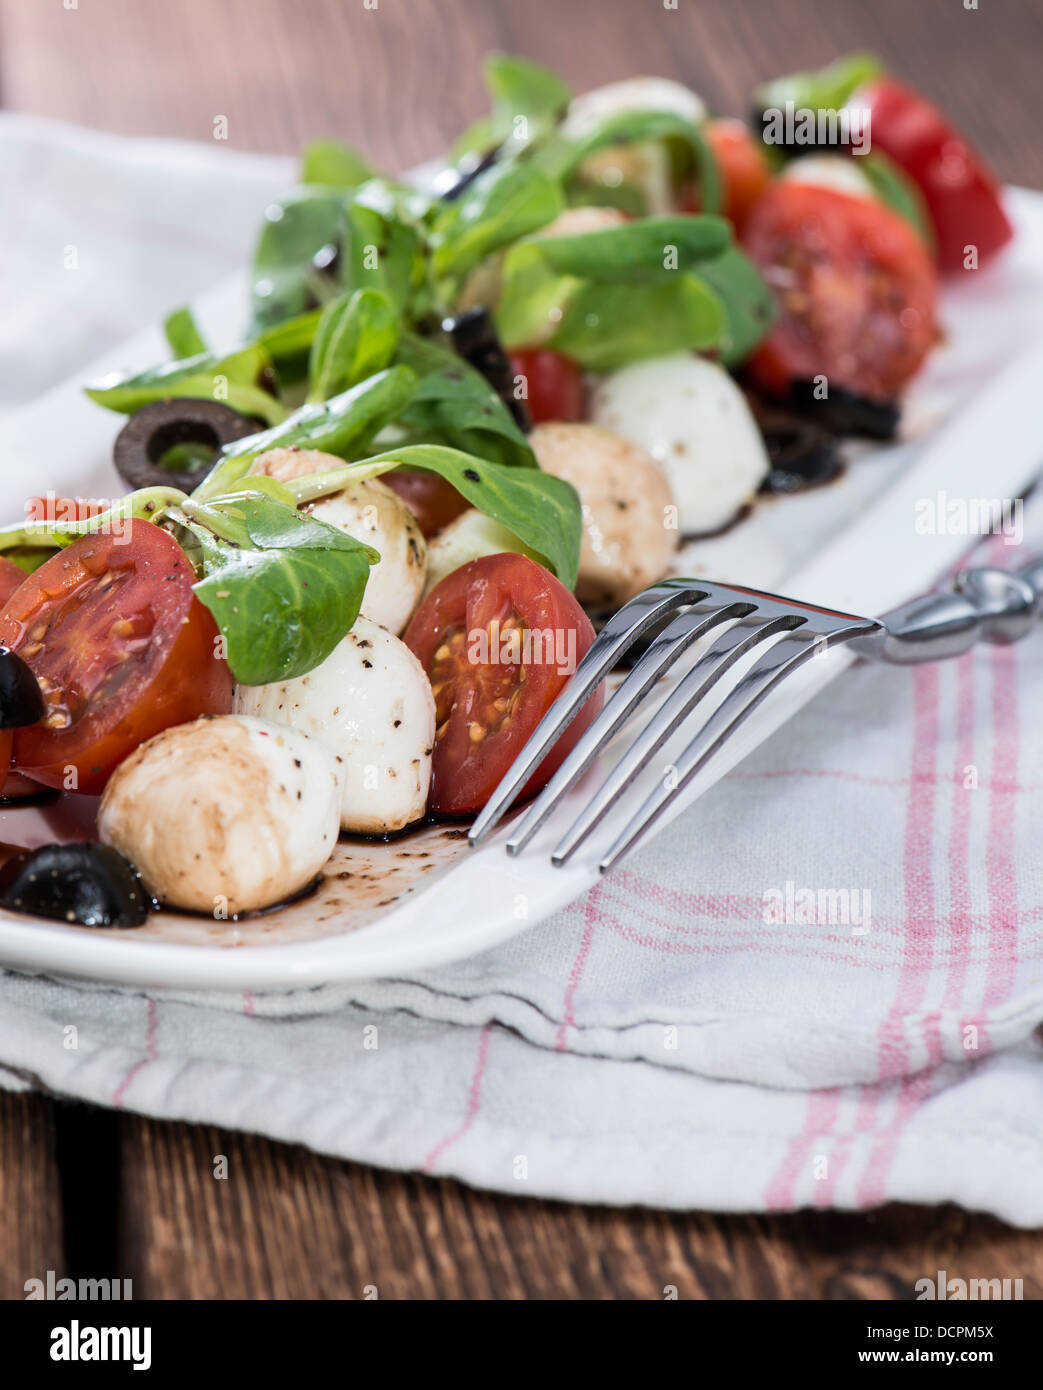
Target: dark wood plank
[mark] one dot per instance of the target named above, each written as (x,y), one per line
(400,81)
(287,1223)
(30,1193)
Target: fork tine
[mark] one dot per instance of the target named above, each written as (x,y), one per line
(770,670)
(693,686)
(667,646)
(620,633)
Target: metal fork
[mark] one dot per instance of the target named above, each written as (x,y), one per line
(984,604)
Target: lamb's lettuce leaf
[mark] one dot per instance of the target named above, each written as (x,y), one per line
(541,510)
(283,588)
(354,338)
(233,379)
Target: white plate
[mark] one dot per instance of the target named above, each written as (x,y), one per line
(385,909)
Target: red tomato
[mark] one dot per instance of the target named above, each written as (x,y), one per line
(433,501)
(553,381)
(854,286)
(121,647)
(961,193)
(492,637)
(742,166)
(6,740)
(10,578)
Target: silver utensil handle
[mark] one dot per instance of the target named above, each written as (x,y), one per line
(984,605)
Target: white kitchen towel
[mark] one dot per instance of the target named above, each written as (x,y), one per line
(818,987)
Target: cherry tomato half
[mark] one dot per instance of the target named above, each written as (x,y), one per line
(855,290)
(121,647)
(554,384)
(961,193)
(10,578)
(742,166)
(433,501)
(499,638)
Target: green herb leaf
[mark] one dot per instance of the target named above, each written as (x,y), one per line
(355,337)
(386,244)
(749,306)
(508,201)
(288,345)
(335,165)
(517,88)
(646,249)
(283,591)
(894,187)
(821,89)
(300,237)
(455,405)
(182,333)
(347,422)
(232,379)
(608,326)
(561,157)
(541,510)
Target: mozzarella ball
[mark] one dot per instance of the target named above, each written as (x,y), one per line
(692,418)
(627,540)
(224,815)
(644,165)
(286,464)
(372,513)
(470,536)
(588,111)
(579,221)
(370,703)
(839,172)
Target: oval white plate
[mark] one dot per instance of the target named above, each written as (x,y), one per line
(383,909)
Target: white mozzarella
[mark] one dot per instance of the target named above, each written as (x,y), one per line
(468,537)
(587,112)
(626,500)
(693,419)
(839,172)
(370,702)
(372,513)
(226,814)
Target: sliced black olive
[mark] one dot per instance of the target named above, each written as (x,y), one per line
(474,337)
(86,882)
(453,182)
(21,702)
(844,412)
(800,453)
(176,441)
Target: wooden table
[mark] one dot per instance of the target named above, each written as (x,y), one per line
(93,1193)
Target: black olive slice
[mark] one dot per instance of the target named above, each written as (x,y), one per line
(86,882)
(801,454)
(474,337)
(845,412)
(175,442)
(21,702)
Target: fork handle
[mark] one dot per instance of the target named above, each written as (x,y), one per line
(984,605)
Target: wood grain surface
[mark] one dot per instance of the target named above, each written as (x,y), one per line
(399,81)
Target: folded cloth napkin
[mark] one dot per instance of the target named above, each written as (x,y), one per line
(818,987)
